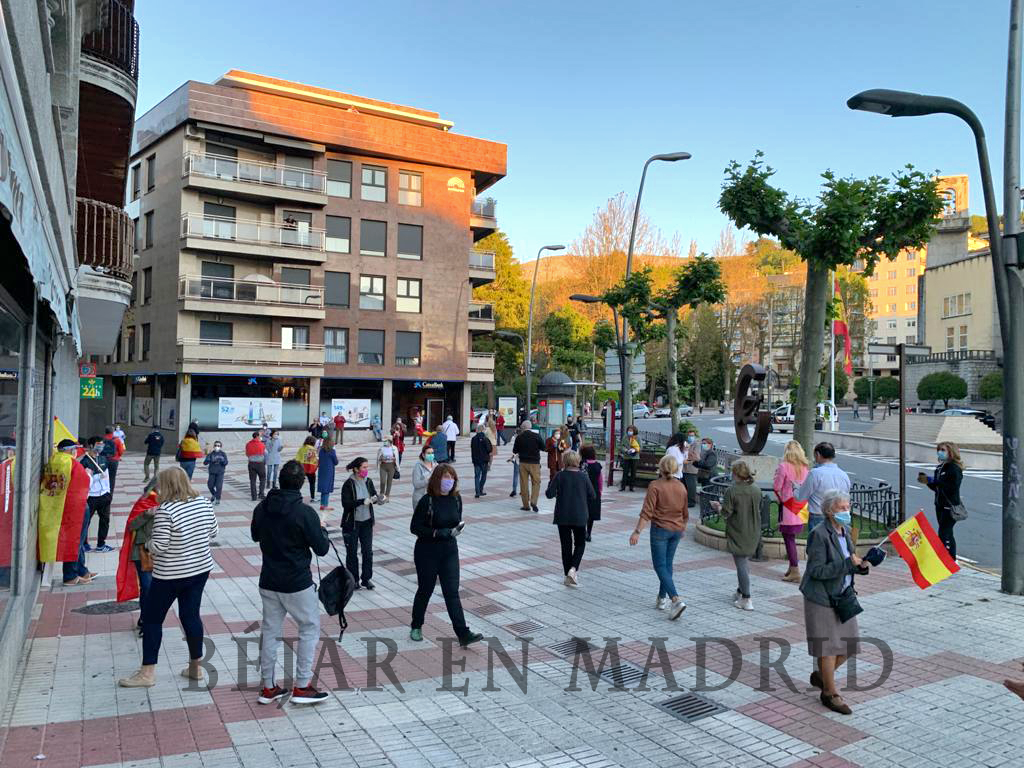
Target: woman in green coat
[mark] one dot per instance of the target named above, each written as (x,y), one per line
(741,509)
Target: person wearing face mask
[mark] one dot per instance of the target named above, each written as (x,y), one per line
(675,448)
(832,562)
(215,462)
(690,469)
(357,499)
(629,458)
(421,474)
(708,461)
(387,464)
(741,509)
(436,524)
(949,474)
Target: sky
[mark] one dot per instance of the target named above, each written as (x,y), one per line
(584,92)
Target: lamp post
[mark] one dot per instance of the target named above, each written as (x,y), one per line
(1005,265)
(529,327)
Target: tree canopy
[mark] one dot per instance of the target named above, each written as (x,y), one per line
(991,386)
(942,385)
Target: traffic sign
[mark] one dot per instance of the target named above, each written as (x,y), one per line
(86,370)
(91,387)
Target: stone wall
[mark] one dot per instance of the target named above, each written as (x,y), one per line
(971,370)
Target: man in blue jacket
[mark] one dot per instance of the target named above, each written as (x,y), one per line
(154,447)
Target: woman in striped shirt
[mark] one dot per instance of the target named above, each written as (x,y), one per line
(183,526)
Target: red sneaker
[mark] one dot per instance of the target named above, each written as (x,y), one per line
(307,695)
(270,695)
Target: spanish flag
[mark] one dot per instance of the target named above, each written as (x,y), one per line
(840,327)
(127,577)
(189,449)
(919,545)
(307,458)
(62,497)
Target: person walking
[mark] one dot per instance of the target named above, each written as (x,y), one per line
(491,430)
(308,458)
(421,474)
(826,476)
(339,428)
(514,461)
(574,433)
(375,426)
(556,444)
(183,526)
(436,524)
(481,450)
(629,458)
(387,465)
(417,428)
(675,449)
(831,563)
(741,509)
(527,448)
(189,452)
(398,440)
(690,468)
(193,427)
(593,469)
(949,474)
(451,434)
(440,444)
(216,462)
(666,510)
(499,427)
(256,455)
(287,530)
(790,475)
(134,568)
(272,457)
(113,450)
(118,432)
(327,462)
(357,499)
(100,495)
(572,492)
(154,443)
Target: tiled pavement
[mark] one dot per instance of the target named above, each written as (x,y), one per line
(940,705)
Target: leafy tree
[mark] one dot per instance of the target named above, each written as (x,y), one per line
(852,219)
(604,335)
(772,258)
(991,386)
(703,347)
(510,293)
(941,385)
(887,388)
(570,339)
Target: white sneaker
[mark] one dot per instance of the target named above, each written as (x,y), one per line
(659,604)
(744,604)
(677,610)
(572,578)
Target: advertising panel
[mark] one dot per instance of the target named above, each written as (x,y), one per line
(507,407)
(142,411)
(356,412)
(246,412)
(168,412)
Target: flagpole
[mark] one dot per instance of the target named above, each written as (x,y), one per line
(832,361)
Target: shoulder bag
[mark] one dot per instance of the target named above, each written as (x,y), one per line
(957,511)
(845,604)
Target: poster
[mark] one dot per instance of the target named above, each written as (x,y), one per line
(507,407)
(168,412)
(356,412)
(142,411)
(121,410)
(247,412)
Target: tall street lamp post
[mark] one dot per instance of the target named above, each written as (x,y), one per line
(529,327)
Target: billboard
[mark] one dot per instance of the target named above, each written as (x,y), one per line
(507,407)
(142,411)
(356,412)
(246,412)
(168,412)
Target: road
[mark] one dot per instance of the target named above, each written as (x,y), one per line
(978,538)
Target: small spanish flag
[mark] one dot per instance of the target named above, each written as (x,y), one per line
(919,545)
(62,497)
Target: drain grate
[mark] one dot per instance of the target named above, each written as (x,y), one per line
(521,628)
(488,609)
(569,647)
(690,707)
(623,675)
(111,606)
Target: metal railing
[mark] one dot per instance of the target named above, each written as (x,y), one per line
(249,291)
(105,238)
(953,355)
(480,361)
(481,259)
(238,344)
(488,207)
(253,172)
(479,310)
(256,232)
(112,35)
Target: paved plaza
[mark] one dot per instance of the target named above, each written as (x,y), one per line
(941,703)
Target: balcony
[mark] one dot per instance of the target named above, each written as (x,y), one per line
(481,317)
(253,179)
(483,218)
(279,242)
(110,48)
(265,357)
(481,268)
(258,295)
(480,367)
(104,241)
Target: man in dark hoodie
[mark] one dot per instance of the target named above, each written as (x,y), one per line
(286,530)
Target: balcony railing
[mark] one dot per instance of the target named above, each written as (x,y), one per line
(105,238)
(256,232)
(479,310)
(253,172)
(481,259)
(112,34)
(480,361)
(249,291)
(238,344)
(486,207)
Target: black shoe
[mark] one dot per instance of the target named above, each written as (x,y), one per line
(525,509)
(368,584)
(307,695)
(482,493)
(512,495)
(816,680)
(534,508)
(472,637)
(357,586)
(588,537)
(476,495)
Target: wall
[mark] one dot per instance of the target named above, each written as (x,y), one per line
(971,274)
(971,371)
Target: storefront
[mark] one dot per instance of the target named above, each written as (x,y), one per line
(224,402)
(359,400)
(434,399)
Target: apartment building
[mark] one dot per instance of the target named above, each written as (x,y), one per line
(301,251)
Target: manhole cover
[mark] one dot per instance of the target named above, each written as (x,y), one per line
(488,609)
(572,646)
(521,628)
(690,707)
(112,606)
(622,675)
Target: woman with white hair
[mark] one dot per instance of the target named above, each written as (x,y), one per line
(830,602)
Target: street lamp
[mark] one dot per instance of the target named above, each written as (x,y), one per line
(529,327)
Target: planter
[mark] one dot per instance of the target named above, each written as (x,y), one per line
(772,548)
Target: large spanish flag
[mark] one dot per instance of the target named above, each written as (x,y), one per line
(127,578)
(840,327)
(189,449)
(919,545)
(62,497)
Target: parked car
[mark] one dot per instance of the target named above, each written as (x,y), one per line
(784,416)
(985,417)
(662,413)
(685,411)
(641,411)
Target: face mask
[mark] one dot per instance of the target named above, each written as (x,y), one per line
(706,446)
(844,517)
(428,456)
(447,483)
(690,439)
(216,446)
(364,472)
(942,456)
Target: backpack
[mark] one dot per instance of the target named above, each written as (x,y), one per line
(335,590)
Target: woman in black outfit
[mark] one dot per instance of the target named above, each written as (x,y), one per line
(593,469)
(572,491)
(946,484)
(357,499)
(436,523)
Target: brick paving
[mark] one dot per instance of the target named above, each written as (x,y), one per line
(941,704)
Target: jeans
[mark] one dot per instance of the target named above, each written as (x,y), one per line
(529,483)
(162,594)
(479,478)
(215,484)
(77,567)
(573,539)
(438,559)
(189,465)
(145,582)
(359,541)
(304,608)
(387,474)
(663,552)
(257,471)
(502,440)
(515,477)
(813,520)
(101,506)
(272,470)
(325,498)
(742,574)
(945,532)
(150,459)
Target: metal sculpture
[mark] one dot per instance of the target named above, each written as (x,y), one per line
(747,410)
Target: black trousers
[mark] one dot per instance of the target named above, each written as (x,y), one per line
(257,471)
(690,481)
(945,532)
(359,541)
(112,473)
(451,450)
(101,506)
(628,473)
(312,488)
(438,559)
(573,539)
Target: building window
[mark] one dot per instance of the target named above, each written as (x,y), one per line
(410,188)
(911,323)
(953,306)
(130,344)
(215,333)
(136,234)
(407,348)
(892,307)
(963,337)
(136,182)
(336,346)
(911,256)
(148,219)
(294,337)
(408,295)
(911,339)
(371,347)
(911,306)
(147,285)
(912,272)
(873,293)
(150,173)
(890,339)
(339,178)
(892,274)
(910,290)
(874,276)
(371,292)
(145,342)
(336,289)
(339,233)
(117,348)
(950,338)
(890,358)
(892,290)
(373,238)
(375,184)
(410,241)
(891,324)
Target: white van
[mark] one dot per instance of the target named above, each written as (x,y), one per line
(784,416)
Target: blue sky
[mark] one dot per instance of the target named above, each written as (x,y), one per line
(584,92)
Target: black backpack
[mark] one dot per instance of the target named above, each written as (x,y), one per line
(335,590)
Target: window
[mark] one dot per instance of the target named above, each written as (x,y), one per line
(150,173)
(410,188)
(298,172)
(336,289)
(891,290)
(950,338)
(911,323)
(147,285)
(410,241)
(148,218)
(407,348)
(891,325)
(912,272)
(375,184)
(339,233)
(911,256)
(296,228)
(214,333)
(371,347)
(117,349)
(911,306)
(890,358)
(136,182)
(407,295)
(963,337)
(858,265)
(336,345)
(874,276)
(339,178)
(873,293)
(890,340)
(960,304)
(892,274)
(219,221)
(373,238)
(136,234)
(217,280)
(910,290)
(145,342)
(295,276)
(892,307)
(911,339)
(130,344)
(294,337)
(371,292)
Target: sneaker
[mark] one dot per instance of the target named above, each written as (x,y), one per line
(416,635)
(472,637)
(138,680)
(677,610)
(572,579)
(86,547)
(368,585)
(308,695)
(659,604)
(104,548)
(744,604)
(270,695)
(187,673)
(74,582)
(512,495)
(534,508)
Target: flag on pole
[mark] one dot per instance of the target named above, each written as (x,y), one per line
(919,545)
(60,432)
(62,497)
(840,327)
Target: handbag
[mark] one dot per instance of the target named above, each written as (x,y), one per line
(398,475)
(846,605)
(957,511)
(145,559)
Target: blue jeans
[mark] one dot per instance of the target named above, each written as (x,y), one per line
(77,567)
(325,497)
(663,552)
(813,520)
(515,477)
(189,465)
(162,594)
(145,581)
(479,477)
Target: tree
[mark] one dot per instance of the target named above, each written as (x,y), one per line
(941,385)
(570,340)
(991,386)
(703,353)
(509,292)
(852,219)
(887,388)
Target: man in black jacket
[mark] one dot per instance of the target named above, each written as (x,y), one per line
(286,530)
(480,449)
(528,447)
